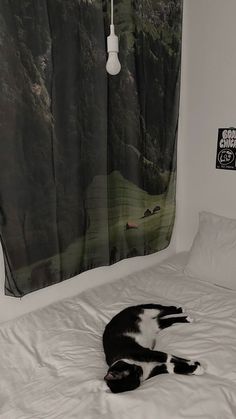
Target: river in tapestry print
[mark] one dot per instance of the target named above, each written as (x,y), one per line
(88,160)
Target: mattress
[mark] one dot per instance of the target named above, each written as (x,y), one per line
(52,363)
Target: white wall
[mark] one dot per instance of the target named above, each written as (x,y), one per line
(208,102)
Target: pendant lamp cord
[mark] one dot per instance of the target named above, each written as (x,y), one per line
(112,12)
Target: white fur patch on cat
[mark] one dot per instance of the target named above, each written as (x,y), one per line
(148,328)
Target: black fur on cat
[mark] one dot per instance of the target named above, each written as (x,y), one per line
(129,340)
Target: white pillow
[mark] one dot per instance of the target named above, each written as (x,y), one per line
(213,252)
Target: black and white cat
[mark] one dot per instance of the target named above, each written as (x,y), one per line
(129,340)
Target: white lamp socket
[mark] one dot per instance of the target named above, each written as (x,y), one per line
(112,41)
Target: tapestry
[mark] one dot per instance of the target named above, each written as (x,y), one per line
(88,160)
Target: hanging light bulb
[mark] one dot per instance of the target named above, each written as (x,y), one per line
(113,66)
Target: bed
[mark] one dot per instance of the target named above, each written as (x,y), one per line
(52,363)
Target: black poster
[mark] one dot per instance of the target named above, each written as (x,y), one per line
(226,149)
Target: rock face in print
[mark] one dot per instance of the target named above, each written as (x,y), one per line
(87,160)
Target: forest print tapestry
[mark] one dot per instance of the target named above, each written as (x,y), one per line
(88,161)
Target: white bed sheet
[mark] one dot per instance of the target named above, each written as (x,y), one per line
(52,363)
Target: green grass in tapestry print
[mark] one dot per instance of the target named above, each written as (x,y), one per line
(110,206)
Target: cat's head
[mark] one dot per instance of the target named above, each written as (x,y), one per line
(123,376)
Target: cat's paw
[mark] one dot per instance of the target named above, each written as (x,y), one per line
(189,319)
(200,370)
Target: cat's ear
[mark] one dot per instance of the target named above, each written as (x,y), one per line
(110,376)
(115,375)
